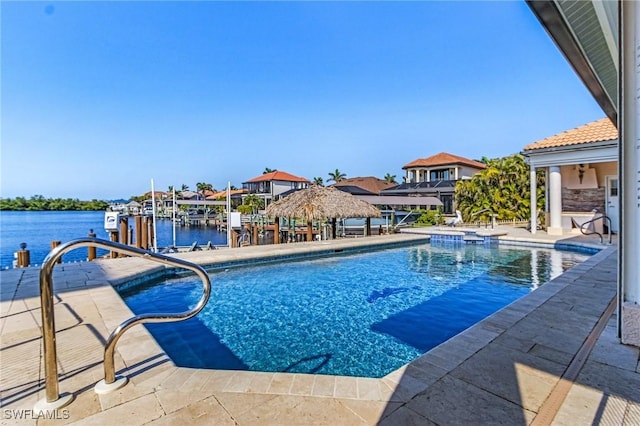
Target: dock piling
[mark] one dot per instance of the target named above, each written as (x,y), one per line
(54,244)
(113,236)
(23,256)
(91,255)
(124,230)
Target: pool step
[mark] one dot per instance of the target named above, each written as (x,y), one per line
(472,239)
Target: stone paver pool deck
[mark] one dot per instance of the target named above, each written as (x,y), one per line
(530,363)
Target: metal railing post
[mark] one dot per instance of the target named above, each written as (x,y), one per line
(52,399)
(603,217)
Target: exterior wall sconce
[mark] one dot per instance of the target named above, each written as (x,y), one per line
(580,172)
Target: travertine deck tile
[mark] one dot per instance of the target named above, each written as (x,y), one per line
(178,378)
(324,385)
(346,387)
(299,410)
(520,378)
(173,400)
(452,401)
(585,405)
(369,389)
(302,384)
(237,403)
(260,382)
(406,417)
(240,382)
(205,413)
(371,411)
(611,380)
(135,412)
(217,380)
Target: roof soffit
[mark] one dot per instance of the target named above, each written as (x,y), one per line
(585,34)
(565,155)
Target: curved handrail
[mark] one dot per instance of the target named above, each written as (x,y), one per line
(493,216)
(481,211)
(48,323)
(603,217)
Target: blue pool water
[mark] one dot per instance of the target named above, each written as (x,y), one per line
(359,315)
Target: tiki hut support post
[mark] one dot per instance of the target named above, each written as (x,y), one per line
(367,227)
(255,234)
(292,230)
(309,230)
(276,230)
(334,228)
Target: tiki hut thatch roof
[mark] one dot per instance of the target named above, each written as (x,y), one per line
(319,202)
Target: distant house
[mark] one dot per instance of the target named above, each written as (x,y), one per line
(223,194)
(235,195)
(581,167)
(191,195)
(367,185)
(436,176)
(271,185)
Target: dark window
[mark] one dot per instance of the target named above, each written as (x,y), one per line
(613,188)
(439,174)
(447,201)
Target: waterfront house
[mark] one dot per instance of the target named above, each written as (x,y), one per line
(436,176)
(271,185)
(191,195)
(581,167)
(367,185)
(220,195)
(234,194)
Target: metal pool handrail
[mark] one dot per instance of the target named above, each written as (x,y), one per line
(52,399)
(603,217)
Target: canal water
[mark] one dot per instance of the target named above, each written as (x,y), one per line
(38,228)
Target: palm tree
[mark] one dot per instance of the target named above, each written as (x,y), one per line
(318,181)
(389,178)
(268,170)
(203,186)
(184,187)
(502,188)
(256,203)
(336,176)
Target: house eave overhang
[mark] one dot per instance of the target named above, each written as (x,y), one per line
(597,152)
(576,51)
(441,166)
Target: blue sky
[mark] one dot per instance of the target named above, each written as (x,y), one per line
(100,97)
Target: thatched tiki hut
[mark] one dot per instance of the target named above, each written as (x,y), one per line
(320,203)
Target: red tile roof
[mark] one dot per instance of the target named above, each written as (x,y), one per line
(368,183)
(157,194)
(596,131)
(443,159)
(220,194)
(277,175)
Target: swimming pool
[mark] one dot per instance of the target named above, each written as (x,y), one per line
(362,314)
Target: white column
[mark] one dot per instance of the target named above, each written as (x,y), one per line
(555,201)
(534,200)
(629,128)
